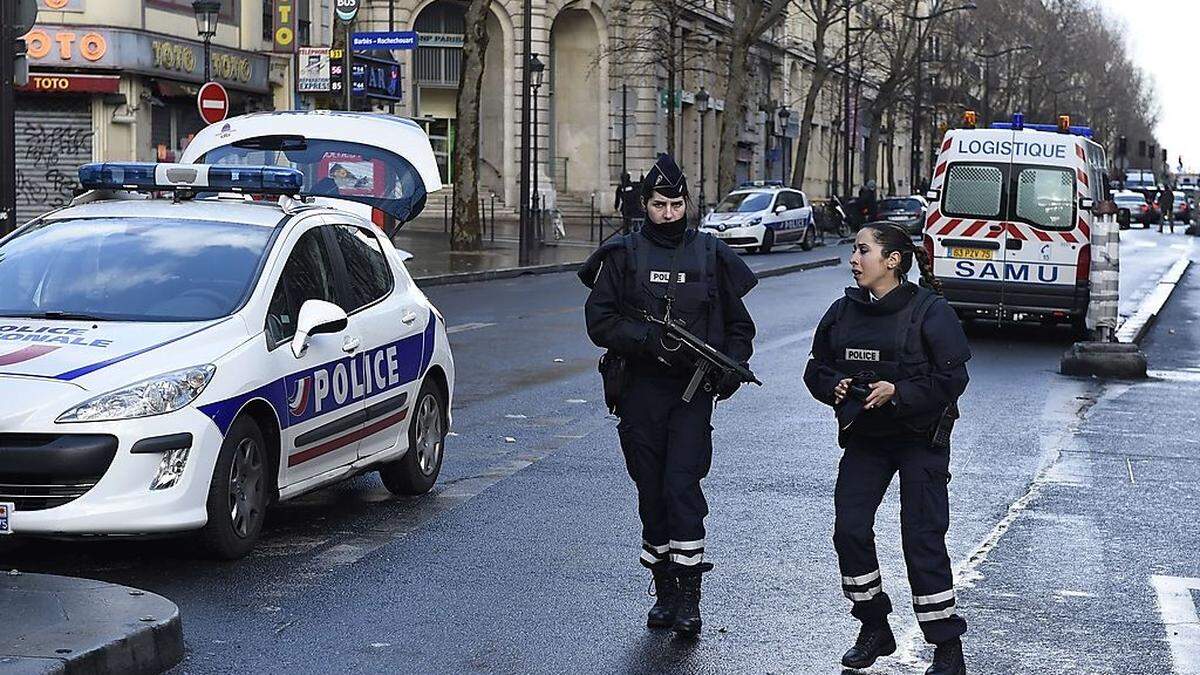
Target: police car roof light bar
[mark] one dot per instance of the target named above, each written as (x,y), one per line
(152,177)
(759,183)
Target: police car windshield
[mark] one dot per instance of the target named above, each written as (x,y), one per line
(745,202)
(130,269)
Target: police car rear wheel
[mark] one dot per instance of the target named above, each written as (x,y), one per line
(417,471)
(237,494)
(807,242)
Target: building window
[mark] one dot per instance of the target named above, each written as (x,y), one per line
(268,20)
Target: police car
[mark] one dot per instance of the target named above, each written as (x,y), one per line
(1010,220)
(180,363)
(756,216)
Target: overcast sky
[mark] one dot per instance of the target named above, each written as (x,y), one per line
(1162,35)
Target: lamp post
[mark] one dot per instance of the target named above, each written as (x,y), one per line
(206,27)
(987,76)
(916,141)
(785,160)
(702,108)
(537,71)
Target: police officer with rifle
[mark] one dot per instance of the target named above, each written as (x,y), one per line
(666,304)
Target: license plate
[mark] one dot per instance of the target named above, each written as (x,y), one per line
(6,511)
(971,253)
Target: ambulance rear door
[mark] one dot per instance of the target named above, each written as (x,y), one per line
(970,236)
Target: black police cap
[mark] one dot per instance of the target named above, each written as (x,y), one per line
(665,178)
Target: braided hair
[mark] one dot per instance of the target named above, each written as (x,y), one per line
(895,239)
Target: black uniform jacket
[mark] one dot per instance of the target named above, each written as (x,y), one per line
(610,326)
(927,387)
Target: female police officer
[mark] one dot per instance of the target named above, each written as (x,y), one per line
(667,268)
(890,357)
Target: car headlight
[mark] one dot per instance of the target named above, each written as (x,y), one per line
(156,396)
(753,221)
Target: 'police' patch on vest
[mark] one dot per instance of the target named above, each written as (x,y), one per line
(665,277)
(862,354)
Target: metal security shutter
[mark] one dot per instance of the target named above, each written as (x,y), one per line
(54,137)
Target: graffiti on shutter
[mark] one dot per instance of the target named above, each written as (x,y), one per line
(54,138)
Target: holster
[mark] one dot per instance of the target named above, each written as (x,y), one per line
(939,436)
(614,372)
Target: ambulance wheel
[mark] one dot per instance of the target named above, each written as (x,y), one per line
(809,239)
(417,471)
(768,242)
(238,493)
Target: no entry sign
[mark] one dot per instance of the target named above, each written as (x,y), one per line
(213,102)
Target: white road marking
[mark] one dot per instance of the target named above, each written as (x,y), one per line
(1129,466)
(1180,620)
(464,327)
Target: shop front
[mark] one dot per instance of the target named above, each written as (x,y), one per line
(102,93)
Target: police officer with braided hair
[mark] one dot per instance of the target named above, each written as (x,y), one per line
(890,358)
(670,271)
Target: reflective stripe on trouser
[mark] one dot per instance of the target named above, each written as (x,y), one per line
(668,449)
(866,470)
(653,554)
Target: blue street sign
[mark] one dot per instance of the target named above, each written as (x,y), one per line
(384,40)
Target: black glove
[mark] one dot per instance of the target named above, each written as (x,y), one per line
(728,385)
(655,349)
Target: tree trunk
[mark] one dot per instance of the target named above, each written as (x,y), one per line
(820,75)
(736,105)
(467,231)
(891,154)
(671,115)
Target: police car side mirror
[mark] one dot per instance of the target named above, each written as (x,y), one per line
(1086,203)
(780,209)
(316,317)
(405,256)
(933,195)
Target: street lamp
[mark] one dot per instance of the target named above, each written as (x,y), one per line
(537,74)
(987,76)
(206,27)
(784,114)
(702,108)
(917,143)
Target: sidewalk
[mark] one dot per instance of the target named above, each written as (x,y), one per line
(53,624)
(1098,571)
(433,263)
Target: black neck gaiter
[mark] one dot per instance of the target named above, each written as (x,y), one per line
(666,234)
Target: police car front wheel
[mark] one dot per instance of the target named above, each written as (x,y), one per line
(238,493)
(417,471)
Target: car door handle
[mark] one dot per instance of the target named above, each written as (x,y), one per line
(350,343)
(409,317)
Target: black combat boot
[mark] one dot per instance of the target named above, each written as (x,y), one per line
(666,590)
(948,659)
(687,615)
(874,640)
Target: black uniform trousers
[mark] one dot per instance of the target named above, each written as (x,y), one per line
(668,449)
(866,470)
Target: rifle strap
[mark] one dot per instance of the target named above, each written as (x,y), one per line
(674,276)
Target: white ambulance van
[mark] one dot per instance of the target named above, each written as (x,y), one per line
(1010,220)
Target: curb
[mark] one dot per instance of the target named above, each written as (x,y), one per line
(512,272)
(1134,329)
(75,625)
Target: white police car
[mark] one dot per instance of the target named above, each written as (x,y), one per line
(756,216)
(174,364)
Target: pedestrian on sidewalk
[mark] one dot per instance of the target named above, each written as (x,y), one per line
(1166,204)
(628,202)
(675,272)
(890,358)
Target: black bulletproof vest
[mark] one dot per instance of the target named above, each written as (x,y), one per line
(695,291)
(888,345)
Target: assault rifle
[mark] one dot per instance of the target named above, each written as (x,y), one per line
(708,360)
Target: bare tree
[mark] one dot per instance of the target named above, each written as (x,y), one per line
(824,15)
(751,20)
(467,234)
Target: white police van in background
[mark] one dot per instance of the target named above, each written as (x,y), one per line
(175,364)
(1010,220)
(758,215)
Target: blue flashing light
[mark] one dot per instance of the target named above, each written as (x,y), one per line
(1018,121)
(1074,130)
(150,177)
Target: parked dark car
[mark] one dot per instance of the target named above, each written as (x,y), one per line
(908,212)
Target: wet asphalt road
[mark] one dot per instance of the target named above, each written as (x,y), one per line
(523,558)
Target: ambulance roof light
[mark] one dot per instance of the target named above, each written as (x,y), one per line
(152,177)
(1064,124)
(969,119)
(1018,122)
